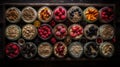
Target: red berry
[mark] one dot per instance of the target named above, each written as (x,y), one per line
(63,17)
(40,33)
(59,14)
(73,28)
(62,47)
(58,33)
(49,32)
(59,27)
(60,9)
(42,30)
(72,34)
(63,12)
(63,30)
(57,17)
(103,13)
(14,47)
(81,32)
(59,44)
(80,28)
(60,50)
(55,13)
(77,27)
(99,40)
(78,33)
(39,30)
(44,37)
(17,51)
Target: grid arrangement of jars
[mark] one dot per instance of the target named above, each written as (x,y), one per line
(59,31)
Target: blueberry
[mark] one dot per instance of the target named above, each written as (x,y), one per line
(94,32)
(74,10)
(92,28)
(89,33)
(79,13)
(77,10)
(72,14)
